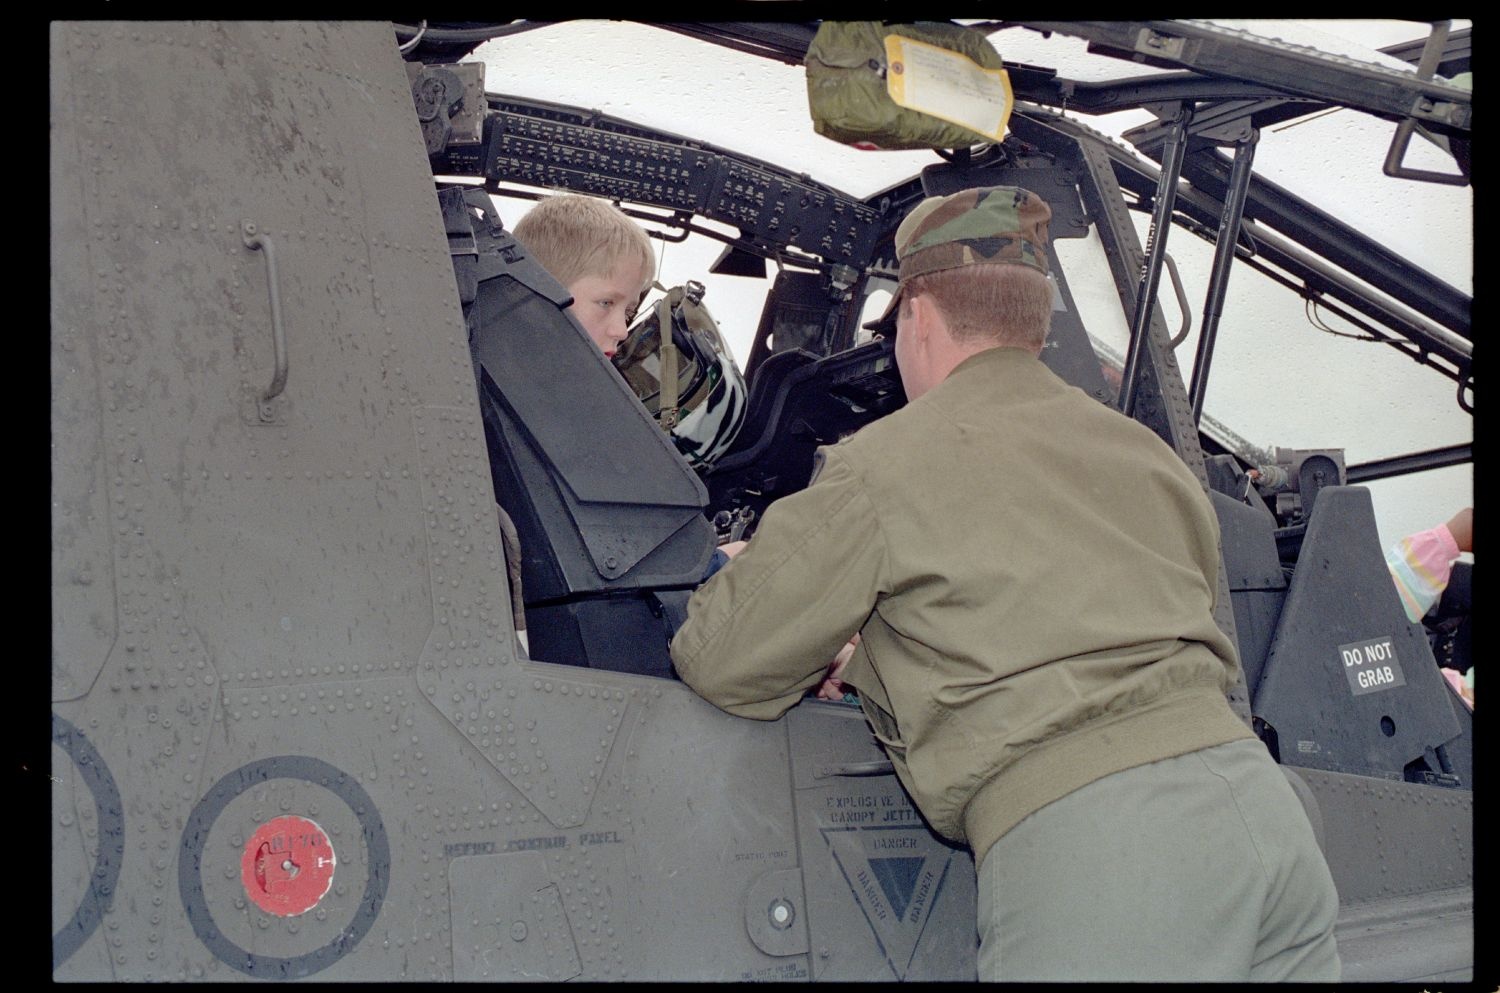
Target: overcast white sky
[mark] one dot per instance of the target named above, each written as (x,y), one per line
(1276,381)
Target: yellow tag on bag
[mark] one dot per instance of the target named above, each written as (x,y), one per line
(948,85)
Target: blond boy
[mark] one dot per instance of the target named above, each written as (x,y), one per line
(602,257)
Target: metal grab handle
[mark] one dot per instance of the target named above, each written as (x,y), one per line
(1432,52)
(879,767)
(1173,154)
(262,243)
(1182,300)
(1397,153)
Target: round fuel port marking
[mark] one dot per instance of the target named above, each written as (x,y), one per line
(288,866)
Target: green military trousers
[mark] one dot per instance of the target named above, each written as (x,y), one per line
(1200,867)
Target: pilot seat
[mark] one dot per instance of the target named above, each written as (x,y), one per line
(609,516)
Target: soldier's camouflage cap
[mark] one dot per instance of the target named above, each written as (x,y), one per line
(1005,224)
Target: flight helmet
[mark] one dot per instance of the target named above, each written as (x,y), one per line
(705,411)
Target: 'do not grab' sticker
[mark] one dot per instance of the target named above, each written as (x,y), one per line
(288,866)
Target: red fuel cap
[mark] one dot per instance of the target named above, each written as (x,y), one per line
(288,866)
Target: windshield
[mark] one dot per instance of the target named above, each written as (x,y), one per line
(1286,372)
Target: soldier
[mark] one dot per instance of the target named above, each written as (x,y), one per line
(1032,576)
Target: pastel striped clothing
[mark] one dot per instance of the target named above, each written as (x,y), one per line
(1420,564)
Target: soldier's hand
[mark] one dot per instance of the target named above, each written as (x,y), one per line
(833,684)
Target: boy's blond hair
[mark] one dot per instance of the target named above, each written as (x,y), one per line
(575,236)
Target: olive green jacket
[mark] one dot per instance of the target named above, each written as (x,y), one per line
(1033,575)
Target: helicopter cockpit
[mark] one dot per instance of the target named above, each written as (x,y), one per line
(616,528)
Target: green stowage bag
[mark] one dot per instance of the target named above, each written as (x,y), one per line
(921,85)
